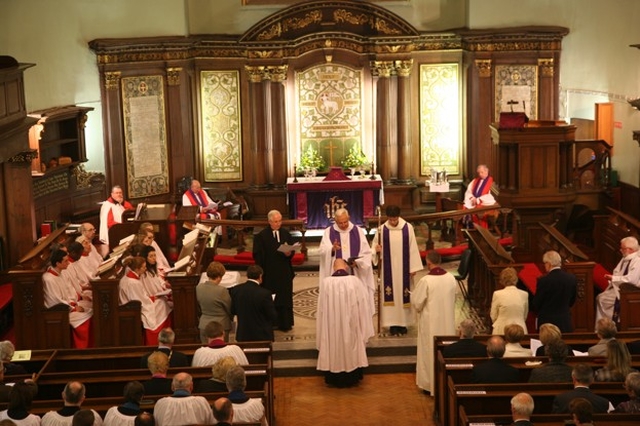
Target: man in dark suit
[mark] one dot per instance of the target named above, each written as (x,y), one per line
(223,411)
(555,294)
(495,370)
(582,376)
(465,347)
(556,370)
(166,337)
(521,409)
(254,308)
(278,273)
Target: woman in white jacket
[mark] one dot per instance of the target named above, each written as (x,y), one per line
(509,305)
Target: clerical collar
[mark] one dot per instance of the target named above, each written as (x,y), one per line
(340,273)
(181,393)
(53,272)
(437,271)
(133,275)
(217,343)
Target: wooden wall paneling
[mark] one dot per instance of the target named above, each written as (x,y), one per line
(279,134)
(404,122)
(114,158)
(629,199)
(19,209)
(257,123)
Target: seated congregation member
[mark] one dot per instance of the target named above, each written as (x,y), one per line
(144,419)
(555,294)
(581,411)
(73,396)
(59,290)
(549,333)
(155,311)
(254,308)
(556,370)
(83,418)
(20,399)
(214,301)
(182,408)
(161,260)
(196,196)
(111,212)
(509,305)
(606,330)
(495,370)
(513,334)
(343,327)
(632,385)
(618,363)
(125,414)
(165,345)
(155,284)
(626,271)
(467,346)
(159,384)
(223,411)
(6,354)
(245,409)
(217,348)
(522,406)
(582,377)
(218,380)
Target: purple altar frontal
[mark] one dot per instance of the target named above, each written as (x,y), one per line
(314,200)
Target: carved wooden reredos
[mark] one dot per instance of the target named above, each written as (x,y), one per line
(259,69)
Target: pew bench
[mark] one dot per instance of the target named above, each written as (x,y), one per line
(489,399)
(609,419)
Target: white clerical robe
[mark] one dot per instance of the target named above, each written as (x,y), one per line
(397,314)
(626,271)
(59,290)
(116,418)
(52,418)
(109,207)
(364,270)
(206,356)
(161,260)
(343,324)
(155,285)
(433,299)
(30,420)
(154,310)
(77,277)
(186,410)
(249,411)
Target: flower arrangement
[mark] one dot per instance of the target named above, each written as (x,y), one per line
(355,158)
(311,159)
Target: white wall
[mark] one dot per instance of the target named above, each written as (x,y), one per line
(53,34)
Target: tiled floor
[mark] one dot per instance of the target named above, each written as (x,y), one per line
(380,399)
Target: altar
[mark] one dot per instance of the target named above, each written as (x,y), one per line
(314,199)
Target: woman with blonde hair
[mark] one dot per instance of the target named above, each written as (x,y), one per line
(509,305)
(618,363)
(218,380)
(549,333)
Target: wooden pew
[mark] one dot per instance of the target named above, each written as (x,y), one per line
(609,419)
(496,398)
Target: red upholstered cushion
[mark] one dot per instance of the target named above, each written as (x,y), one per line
(298,259)
(6,294)
(598,276)
(529,276)
(246,258)
(245,255)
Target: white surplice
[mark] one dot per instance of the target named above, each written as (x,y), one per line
(59,290)
(154,310)
(187,410)
(398,314)
(364,270)
(52,418)
(434,301)
(626,271)
(343,324)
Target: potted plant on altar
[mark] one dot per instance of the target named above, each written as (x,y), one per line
(355,159)
(311,161)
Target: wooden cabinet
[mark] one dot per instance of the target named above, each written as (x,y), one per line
(62,190)
(58,137)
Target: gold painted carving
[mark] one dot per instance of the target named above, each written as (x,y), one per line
(173,76)
(403,67)
(546,67)
(257,74)
(382,68)
(24,157)
(484,67)
(278,73)
(342,15)
(85,179)
(112,80)
(277,29)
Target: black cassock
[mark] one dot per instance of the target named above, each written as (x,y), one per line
(278,272)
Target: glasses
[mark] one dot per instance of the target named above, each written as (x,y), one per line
(90,229)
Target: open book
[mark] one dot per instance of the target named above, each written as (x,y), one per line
(181,263)
(286,248)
